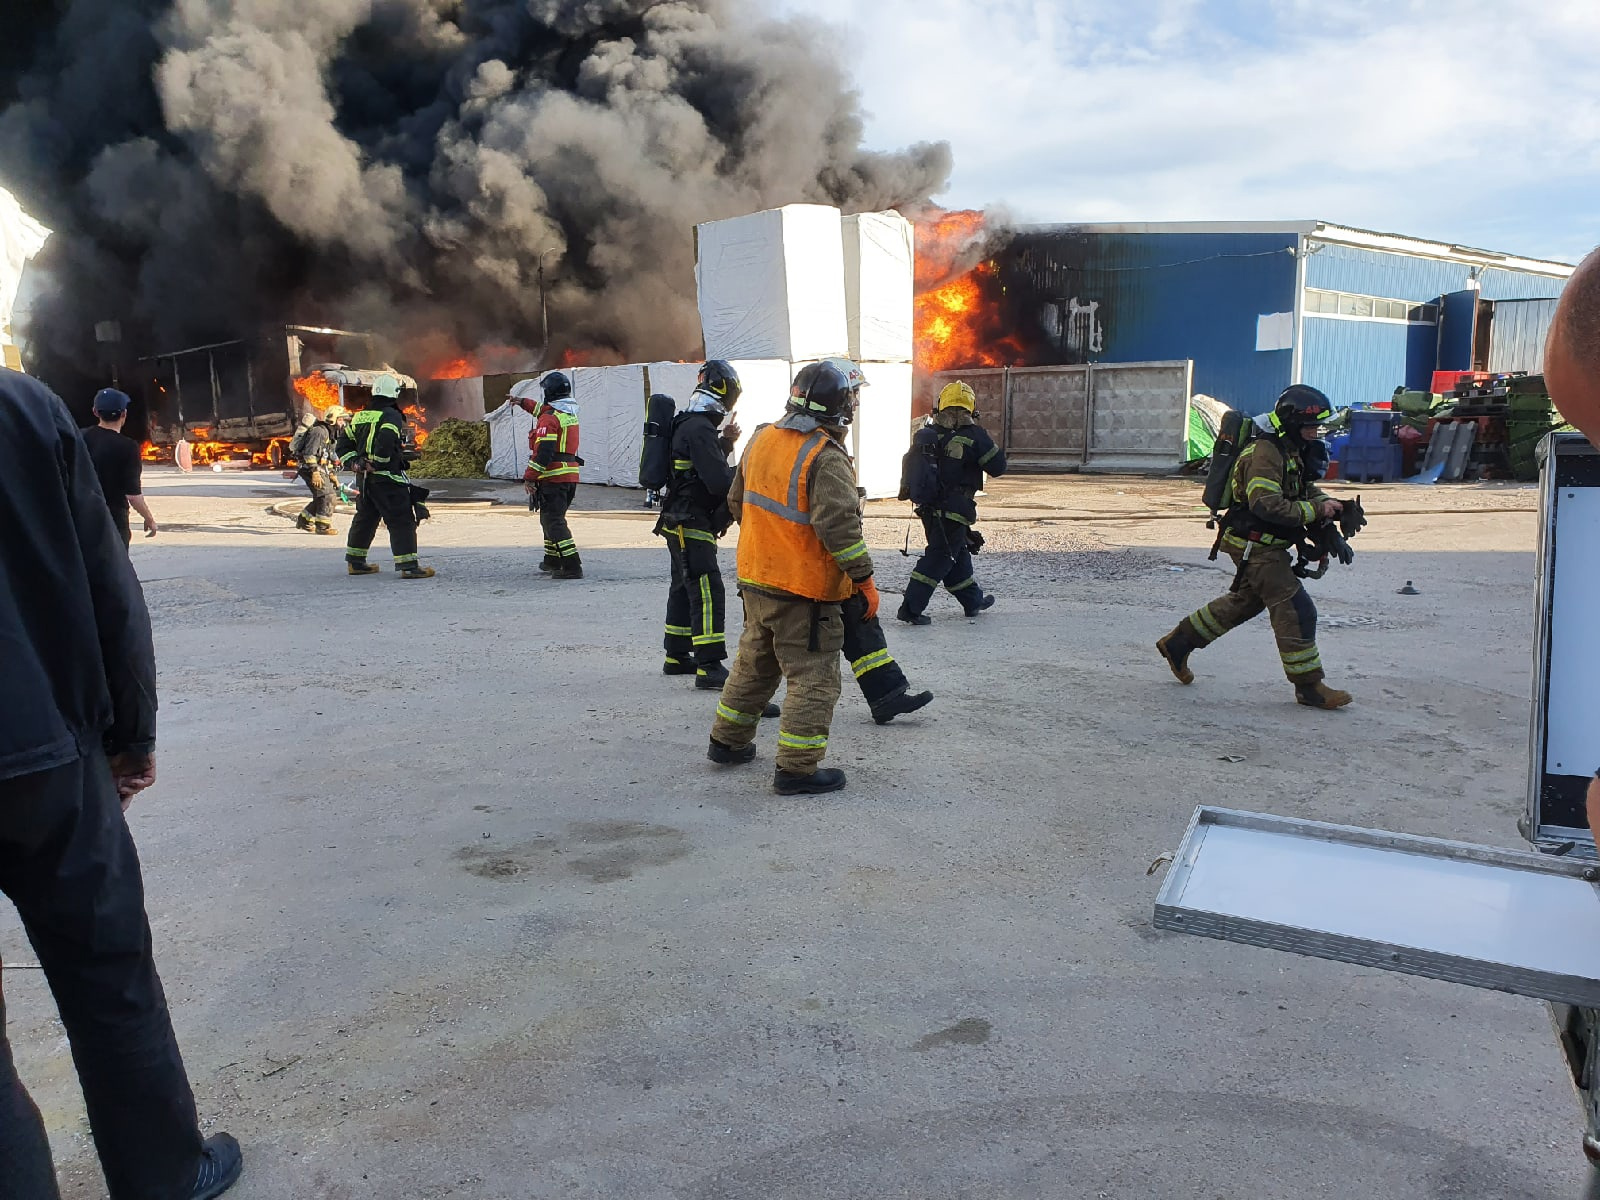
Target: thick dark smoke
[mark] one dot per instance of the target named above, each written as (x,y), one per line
(404,165)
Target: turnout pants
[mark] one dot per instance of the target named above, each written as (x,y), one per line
(68,863)
(778,645)
(323,495)
(383,499)
(1266,582)
(947,560)
(867,649)
(696,602)
(559,548)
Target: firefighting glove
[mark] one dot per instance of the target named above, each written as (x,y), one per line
(974,541)
(869,590)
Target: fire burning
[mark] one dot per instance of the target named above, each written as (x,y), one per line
(958,315)
(319,392)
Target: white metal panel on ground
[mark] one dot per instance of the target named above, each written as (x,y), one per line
(1140,415)
(1507,920)
(1572,704)
(880,436)
(879,265)
(509,427)
(771,284)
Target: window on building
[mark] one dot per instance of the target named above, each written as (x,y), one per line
(1369,308)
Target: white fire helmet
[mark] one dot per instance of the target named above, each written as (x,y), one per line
(852,372)
(386,387)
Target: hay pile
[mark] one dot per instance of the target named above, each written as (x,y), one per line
(455,450)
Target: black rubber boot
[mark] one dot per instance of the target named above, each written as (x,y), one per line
(1176,648)
(770,711)
(899,706)
(221,1161)
(981,606)
(303,521)
(911,618)
(568,570)
(711,677)
(548,565)
(729,756)
(823,779)
(677,666)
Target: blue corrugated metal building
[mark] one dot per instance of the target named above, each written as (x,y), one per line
(1260,306)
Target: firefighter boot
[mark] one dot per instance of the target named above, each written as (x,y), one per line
(1176,648)
(569,568)
(549,565)
(360,566)
(899,706)
(1320,695)
(674,666)
(416,571)
(983,605)
(303,522)
(711,677)
(324,526)
(912,618)
(728,756)
(823,779)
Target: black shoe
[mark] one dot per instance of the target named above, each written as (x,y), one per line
(899,706)
(729,756)
(823,779)
(711,677)
(567,573)
(221,1161)
(770,711)
(912,618)
(982,605)
(677,666)
(547,567)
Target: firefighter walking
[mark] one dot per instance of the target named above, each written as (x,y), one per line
(373,445)
(551,478)
(694,514)
(801,554)
(316,462)
(1275,499)
(944,472)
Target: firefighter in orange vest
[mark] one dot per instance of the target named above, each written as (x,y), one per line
(802,553)
(551,479)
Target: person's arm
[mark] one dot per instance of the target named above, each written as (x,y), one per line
(735,498)
(138,503)
(991,458)
(134,488)
(388,446)
(345,447)
(710,461)
(1263,490)
(836,514)
(122,623)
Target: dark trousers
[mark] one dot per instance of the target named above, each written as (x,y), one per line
(554,500)
(119,518)
(1265,582)
(697,603)
(867,649)
(320,483)
(947,560)
(68,863)
(383,499)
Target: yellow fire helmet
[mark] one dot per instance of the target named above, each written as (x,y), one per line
(334,415)
(957,395)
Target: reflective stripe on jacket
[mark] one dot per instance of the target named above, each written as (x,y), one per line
(554,449)
(779,550)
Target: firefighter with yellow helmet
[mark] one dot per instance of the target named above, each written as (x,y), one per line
(373,445)
(802,553)
(942,475)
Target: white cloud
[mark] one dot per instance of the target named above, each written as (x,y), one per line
(1465,120)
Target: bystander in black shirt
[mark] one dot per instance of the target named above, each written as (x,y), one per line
(117,463)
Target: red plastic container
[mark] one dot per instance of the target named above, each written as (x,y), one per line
(1445,382)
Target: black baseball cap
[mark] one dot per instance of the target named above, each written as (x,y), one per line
(108,402)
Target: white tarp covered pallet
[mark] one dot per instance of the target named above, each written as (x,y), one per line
(21,237)
(771,284)
(879,266)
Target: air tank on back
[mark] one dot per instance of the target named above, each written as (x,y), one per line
(1223,456)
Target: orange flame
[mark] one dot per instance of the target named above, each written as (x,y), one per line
(319,392)
(455,368)
(956,312)
(419,423)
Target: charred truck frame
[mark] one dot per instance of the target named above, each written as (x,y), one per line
(240,400)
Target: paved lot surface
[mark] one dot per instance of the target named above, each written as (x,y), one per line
(449,902)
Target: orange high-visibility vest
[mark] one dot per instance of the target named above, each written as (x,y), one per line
(778,549)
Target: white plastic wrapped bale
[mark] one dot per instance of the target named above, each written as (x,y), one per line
(610,407)
(771,284)
(879,433)
(509,427)
(766,395)
(879,265)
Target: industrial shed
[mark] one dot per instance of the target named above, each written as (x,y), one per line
(1258,306)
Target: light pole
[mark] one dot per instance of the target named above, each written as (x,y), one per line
(544,305)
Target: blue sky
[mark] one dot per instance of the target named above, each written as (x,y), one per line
(1470,121)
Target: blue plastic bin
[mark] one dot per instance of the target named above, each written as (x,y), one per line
(1378,463)
(1371,427)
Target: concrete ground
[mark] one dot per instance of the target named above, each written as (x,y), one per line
(450,903)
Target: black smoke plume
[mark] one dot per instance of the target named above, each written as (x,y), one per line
(404,166)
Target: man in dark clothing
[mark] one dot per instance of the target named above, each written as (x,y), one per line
(117,463)
(373,445)
(77,739)
(963,453)
(694,514)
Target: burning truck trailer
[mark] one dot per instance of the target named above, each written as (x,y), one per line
(239,401)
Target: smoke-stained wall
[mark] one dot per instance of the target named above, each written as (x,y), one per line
(406,165)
